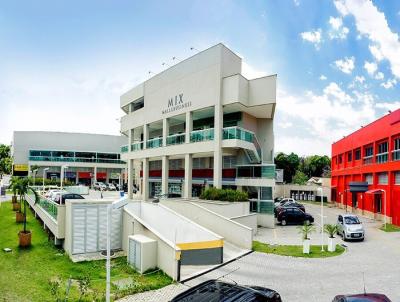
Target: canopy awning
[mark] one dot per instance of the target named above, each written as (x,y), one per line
(374,191)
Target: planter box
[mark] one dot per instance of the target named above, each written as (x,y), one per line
(331,245)
(306,246)
(25,238)
(16,206)
(19,217)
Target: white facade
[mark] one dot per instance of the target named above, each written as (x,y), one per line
(200,123)
(85,155)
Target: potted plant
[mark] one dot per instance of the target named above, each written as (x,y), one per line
(25,236)
(305,231)
(14,183)
(331,230)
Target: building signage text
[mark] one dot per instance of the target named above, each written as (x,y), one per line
(176,103)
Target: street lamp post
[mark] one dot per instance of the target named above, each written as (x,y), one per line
(62,175)
(113,206)
(322,219)
(44,170)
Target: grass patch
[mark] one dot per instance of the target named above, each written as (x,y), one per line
(390,228)
(296,250)
(25,273)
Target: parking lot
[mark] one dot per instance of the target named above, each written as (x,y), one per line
(311,280)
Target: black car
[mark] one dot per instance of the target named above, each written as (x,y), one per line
(362,298)
(289,204)
(219,291)
(293,215)
(70,196)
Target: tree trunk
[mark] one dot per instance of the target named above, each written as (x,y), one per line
(24,216)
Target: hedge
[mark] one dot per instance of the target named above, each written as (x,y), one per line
(224,195)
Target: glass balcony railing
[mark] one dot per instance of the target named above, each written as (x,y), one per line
(47,205)
(256,171)
(382,158)
(202,135)
(137,146)
(154,142)
(76,159)
(124,149)
(176,139)
(238,133)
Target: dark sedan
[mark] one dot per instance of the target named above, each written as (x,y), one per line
(219,291)
(293,215)
(362,298)
(289,204)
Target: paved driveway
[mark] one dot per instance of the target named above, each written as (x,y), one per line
(311,280)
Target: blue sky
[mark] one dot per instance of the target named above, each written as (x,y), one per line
(64,64)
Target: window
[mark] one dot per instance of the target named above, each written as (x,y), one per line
(340,159)
(229,162)
(369,151)
(369,179)
(397,178)
(383,178)
(349,157)
(397,143)
(358,154)
(383,147)
(266,193)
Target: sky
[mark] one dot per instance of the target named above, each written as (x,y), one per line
(64,64)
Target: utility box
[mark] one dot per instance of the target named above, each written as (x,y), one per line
(142,253)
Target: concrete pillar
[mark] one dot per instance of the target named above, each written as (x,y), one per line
(94,175)
(164,175)
(218,125)
(188,176)
(130,139)
(145,135)
(165,131)
(145,186)
(130,178)
(188,126)
(125,174)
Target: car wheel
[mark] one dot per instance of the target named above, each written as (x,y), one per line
(283,222)
(344,236)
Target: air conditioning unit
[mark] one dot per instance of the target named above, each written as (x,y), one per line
(142,253)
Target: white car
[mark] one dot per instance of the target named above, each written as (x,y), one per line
(55,196)
(112,187)
(350,227)
(99,186)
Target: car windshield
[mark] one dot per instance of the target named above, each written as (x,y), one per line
(351,220)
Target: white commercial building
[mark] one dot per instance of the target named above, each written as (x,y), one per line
(201,123)
(84,157)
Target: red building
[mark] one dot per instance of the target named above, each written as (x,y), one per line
(370,154)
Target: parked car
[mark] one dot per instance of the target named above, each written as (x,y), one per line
(362,298)
(99,186)
(350,227)
(293,215)
(111,187)
(66,196)
(216,290)
(289,203)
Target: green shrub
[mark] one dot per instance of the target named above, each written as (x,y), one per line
(224,195)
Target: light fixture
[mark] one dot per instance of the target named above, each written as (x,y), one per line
(192,48)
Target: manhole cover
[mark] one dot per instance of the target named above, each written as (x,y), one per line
(104,253)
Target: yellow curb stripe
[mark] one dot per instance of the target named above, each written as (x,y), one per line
(201,245)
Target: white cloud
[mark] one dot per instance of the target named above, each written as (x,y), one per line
(322,77)
(388,106)
(327,116)
(285,124)
(370,67)
(389,83)
(371,23)
(379,75)
(359,79)
(345,65)
(312,36)
(296,2)
(337,31)
(249,72)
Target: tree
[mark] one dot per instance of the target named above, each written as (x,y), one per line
(289,164)
(300,178)
(315,165)
(5,160)
(23,189)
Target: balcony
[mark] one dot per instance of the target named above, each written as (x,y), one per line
(176,139)
(382,158)
(237,133)
(137,146)
(76,159)
(202,135)
(154,143)
(124,149)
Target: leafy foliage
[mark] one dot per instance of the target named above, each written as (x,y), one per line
(300,178)
(5,160)
(224,195)
(305,230)
(330,229)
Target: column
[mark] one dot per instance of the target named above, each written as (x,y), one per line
(130,139)
(94,175)
(164,175)
(218,124)
(188,176)
(145,187)
(145,135)
(130,178)
(188,126)
(165,131)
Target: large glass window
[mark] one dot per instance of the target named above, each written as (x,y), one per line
(349,157)
(369,151)
(229,162)
(397,178)
(369,179)
(397,143)
(383,147)
(383,178)
(357,154)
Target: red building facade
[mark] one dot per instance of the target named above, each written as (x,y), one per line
(370,154)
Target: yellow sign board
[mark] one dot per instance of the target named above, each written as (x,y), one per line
(23,168)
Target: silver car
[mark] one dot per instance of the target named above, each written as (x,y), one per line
(350,227)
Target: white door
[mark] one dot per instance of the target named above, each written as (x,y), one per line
(78,230)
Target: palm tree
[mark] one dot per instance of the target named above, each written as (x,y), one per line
(23,189)
(14,183)
(330,229)
(306,230)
